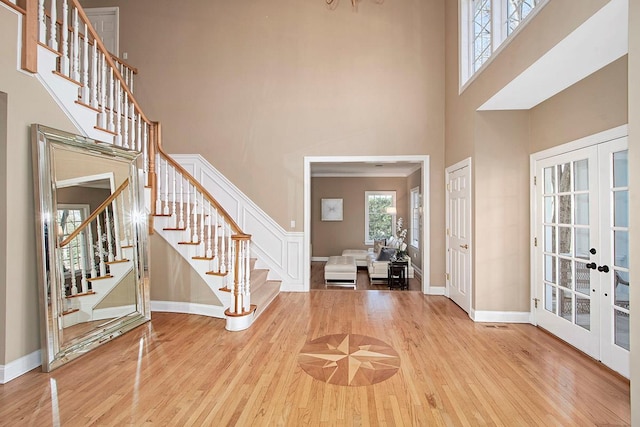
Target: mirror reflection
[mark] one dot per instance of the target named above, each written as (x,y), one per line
(92,243)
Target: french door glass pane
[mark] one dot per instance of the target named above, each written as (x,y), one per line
(550,239)
(620,169)
(621,248)
(549,209)
(583,278)
(621,326)
(583,312)
(582,243)
(550,268)
(566,273)
(564,178)
(550,301)
(582,209)
(564,241)
(549,180)
(581,175)
(566,304)
(621,208)
(621,289)
(564,209)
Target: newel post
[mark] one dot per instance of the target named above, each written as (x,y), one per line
(30,37)
(152,179)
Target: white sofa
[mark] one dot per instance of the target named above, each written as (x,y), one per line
(360,256)
(378,262)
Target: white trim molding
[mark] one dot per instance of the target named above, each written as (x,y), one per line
(437,290)
(188,308)
(275,248)
(21,366)
(500,316)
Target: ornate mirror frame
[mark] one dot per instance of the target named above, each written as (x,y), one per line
(64,268)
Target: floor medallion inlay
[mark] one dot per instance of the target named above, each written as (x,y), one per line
(349,360)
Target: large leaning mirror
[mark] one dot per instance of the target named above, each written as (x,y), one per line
(91,232)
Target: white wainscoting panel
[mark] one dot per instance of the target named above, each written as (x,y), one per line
(275,248)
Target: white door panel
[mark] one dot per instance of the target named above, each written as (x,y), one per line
(105,22)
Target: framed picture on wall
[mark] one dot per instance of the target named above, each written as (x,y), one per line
(332,209)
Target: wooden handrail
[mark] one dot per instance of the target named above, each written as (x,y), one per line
(107,55)
(14,7)
(95,213)
(117,59)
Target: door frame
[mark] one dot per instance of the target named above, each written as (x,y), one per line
(112,10)
(425,219)
(588,141)
(461,164)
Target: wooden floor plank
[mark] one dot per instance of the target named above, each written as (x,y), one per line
(188,370)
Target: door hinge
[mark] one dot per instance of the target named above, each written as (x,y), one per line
(535,180)
(447,276)
(448,186)
(448,232)
(535,241)
(535,302)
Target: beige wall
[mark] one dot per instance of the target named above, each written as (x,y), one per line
(500,143)
(123,294)
(168,267)
(28,102)
(634,172)
(256,86)
(331,237)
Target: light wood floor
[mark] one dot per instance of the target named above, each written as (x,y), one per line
(362,280)
(183,370)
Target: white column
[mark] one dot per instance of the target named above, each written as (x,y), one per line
(42,21)
(64,35)
(84,91)
(53,37)
(75,48)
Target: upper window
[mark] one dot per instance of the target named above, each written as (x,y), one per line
(485,24)
(69,218)
(379,215)
(414,229)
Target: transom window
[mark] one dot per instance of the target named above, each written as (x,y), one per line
(379,218)
(485,25)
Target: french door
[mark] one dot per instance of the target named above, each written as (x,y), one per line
(581,288)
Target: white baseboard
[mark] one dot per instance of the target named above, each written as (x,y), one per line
(435,290)
(188,308)
(20,366)
(500,316)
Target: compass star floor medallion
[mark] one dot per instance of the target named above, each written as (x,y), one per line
(349,359)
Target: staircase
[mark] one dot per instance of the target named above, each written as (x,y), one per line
(95,90)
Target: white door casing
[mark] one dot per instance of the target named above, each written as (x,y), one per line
(458,233)
(580,271)
(105,20)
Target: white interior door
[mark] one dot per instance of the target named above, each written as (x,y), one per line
(105,22)
(459,234)
(581,258)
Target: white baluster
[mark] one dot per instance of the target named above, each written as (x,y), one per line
(173,198)
(42,21)
(194,235)
(181,222)
(92,258)
(111,112)
(209,252)
(107,231)
(187,228)
(216,236)
(116,229)
(202,221)
(223,259)
(75,48)
(142,141)
(83,264)
(230,248)
(103,92)
(158,182)
(100,247)
(72,270)
(64,35)
(133,125)
(84,91)
(247,277)
(118,116)
(165,211)
(125,118)
(93,89)
(53,37)
(131,80)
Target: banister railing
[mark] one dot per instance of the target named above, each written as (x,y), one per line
(105,85)
(98,241)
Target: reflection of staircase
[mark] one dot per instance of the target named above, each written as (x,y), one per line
(93,89)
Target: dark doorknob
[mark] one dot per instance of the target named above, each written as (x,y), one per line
(604,268)
(592,265)
(593,251)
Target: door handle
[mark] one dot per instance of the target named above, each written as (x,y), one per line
(603,268)
(465,246)
(592,265)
